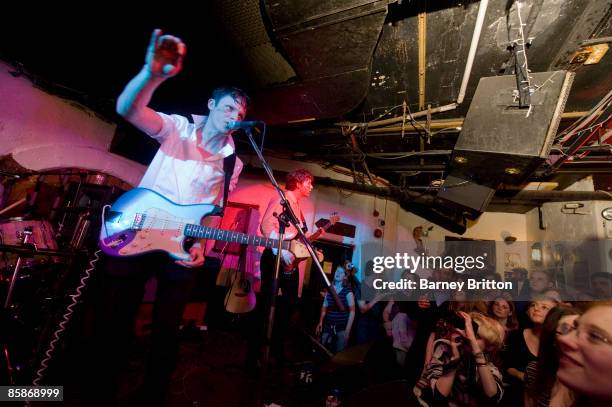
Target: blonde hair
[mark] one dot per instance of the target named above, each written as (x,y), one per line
(489,330)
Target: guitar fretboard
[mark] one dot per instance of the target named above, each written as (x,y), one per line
(205,232)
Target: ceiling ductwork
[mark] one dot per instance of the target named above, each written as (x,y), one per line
(328,45)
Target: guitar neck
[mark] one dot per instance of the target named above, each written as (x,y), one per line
(205,232)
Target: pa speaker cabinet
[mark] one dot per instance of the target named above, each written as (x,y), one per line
(502,143)
(466,196)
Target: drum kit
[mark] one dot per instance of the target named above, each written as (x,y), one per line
(35,260)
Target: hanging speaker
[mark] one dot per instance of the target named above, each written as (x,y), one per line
(466,196)
(503,143)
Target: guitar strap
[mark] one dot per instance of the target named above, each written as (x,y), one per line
(229,163)
(304,227)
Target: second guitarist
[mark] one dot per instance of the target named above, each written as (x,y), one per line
(298,185)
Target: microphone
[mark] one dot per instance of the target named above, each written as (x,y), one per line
(236,125)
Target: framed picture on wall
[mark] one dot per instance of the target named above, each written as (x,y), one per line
(237,218)
(511,260)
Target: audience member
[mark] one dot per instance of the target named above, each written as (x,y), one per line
(546,390)
(502,310)
(586,355)
(601,285)
(335,324)
(460,371)
(521,351)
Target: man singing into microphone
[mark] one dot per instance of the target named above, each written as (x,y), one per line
(189,168)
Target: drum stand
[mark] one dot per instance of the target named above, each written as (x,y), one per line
(27,234)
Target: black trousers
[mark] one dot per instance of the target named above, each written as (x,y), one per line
(286,304)
(117,294)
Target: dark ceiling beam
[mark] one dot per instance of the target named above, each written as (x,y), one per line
(417,197)
(397,154)
(428,207)
(583,171)
(423,205)
(457,122)
(588,161)
(400,168)
(411,153)
(554,196)
(411,168)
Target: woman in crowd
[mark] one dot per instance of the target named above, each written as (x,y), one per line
(521,351)
(546,389)
(586,356)
(334,324)
(370,305)
(460,372)
(502,310)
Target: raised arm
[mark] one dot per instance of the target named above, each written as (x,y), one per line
(163,60)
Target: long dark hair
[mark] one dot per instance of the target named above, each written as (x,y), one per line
(548,352)
(512,320)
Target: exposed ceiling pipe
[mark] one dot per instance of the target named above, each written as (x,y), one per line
(482,10)
(435,124)
(421,204)
(555,196)
(426,206)
(420,198)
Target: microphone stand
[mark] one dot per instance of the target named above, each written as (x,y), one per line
(286,217)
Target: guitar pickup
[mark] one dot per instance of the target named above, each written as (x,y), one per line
(139,220)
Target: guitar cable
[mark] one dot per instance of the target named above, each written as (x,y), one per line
(44,364)
(66,318)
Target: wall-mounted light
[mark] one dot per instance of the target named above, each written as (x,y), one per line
(509,239)
(572,208)
(607,213)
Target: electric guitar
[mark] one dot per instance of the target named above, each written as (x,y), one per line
(143,221)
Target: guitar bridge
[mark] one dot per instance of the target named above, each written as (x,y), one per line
(117,241)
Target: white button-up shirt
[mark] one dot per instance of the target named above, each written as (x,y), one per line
(183,170)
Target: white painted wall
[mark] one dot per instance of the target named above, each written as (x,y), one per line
(580,236)
(356,208)
(45,132)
